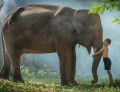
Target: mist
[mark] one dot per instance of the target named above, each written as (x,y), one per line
(84,60)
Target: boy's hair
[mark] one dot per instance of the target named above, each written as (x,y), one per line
(108,40)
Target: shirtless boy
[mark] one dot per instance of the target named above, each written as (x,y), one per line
(107,61)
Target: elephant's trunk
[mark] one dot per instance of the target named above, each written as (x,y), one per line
(96,61)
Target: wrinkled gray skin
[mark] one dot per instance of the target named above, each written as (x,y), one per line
(47,29)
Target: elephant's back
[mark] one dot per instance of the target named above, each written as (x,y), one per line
(39,19)
(29,10)
(38,14)
(35,12)
(38,10)
(41,8)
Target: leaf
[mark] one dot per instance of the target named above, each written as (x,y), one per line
(101,6)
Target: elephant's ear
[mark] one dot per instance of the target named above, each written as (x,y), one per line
(81,22)
(80,19)
(76,22)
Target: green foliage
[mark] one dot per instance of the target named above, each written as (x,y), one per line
(41,73)
(45,86)
(9,86)
(26,72)
(116,19)
(50,83)
(109,5)
(105,5)
(29,74)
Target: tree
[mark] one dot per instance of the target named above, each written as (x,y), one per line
(109,5)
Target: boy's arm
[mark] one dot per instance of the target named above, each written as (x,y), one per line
(95,49)
(101,50)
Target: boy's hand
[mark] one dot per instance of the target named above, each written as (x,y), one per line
(93,55)
(95,49)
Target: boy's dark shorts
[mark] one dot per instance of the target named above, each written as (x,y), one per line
(107,63)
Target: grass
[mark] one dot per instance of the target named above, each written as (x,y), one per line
(42,82)
(54,86)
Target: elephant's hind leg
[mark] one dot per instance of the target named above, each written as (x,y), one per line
(14,55)
(15,60)
(4,72)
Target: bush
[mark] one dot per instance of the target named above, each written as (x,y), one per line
(28,74)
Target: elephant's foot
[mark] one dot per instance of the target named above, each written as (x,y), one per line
(93,82)
(4,75)
(18,79)
(75,83)
(66,83)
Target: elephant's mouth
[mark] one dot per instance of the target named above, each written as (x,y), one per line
(86,43)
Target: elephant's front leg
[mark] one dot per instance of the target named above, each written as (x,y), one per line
(65,56)
(73,68)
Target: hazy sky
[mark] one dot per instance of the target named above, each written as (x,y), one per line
(84,60)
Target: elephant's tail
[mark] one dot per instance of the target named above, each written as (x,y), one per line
(3,45)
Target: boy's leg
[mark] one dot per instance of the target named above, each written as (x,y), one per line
(110,76)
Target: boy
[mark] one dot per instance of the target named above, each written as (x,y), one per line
(107,61)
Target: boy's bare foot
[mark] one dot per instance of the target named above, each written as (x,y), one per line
(110,76)
(93,82)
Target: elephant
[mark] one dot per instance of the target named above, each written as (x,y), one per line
(43,28)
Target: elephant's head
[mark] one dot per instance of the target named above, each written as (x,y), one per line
(89,30)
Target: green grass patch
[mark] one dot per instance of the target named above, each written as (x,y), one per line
(54,86)
(40,81)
